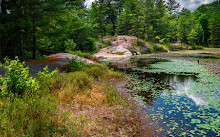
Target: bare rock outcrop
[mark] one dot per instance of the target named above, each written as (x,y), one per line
(121,48)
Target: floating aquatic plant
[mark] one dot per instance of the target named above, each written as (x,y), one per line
(186,102)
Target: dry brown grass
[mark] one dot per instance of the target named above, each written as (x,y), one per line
(95,106)
(94,97)
(100,110)
(105,120)
(95,115)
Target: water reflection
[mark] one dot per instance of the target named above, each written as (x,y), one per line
(182,104)
(180,83)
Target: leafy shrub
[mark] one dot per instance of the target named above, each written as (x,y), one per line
(157,48)
(101,46)
(195,47)
(47,79)
(154,49)
(77,53)
(35,113)
(75,64)
(17,80)
(97,71)
(119,53)
(148,50)
(177,46)
(141,43)
(69,45)
(163,41)
(84,55)
(133,50)
(35,116)
(90,57)
(108,42)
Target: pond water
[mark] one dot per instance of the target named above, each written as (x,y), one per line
(182,97)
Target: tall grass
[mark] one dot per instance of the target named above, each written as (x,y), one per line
(55,109)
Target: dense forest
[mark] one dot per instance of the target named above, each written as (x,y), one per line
(30,29)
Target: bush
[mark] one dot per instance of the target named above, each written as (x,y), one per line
(47,79)
(119,53)
(17,80)
(195,47)
(141,43)
(77,53)
(35,113)
(108,42)
(84,55)
(154,49)
(90,57)
(81,80)
(30,116)
(69,45)
(176,46)
(97,71)
(75,65)
(157,48)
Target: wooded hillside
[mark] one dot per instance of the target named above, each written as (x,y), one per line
(30,29)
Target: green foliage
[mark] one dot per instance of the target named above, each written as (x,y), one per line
(75,64)
(84,55)
(119,53)
(46,79)
(30,116)
(162,41)
(43,32)
(17,80)
(40,113)
(108,42)
(177,46)
(154,49)
(140,43)
(97,71)
(214,26)
(195,47)
(35,112)
(77,81)
(79,53)
(70,45)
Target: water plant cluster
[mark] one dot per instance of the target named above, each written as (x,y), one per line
(185,103)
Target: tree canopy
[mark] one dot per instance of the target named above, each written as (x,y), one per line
(33,28)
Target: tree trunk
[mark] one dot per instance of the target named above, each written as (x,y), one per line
(1,56)
(21,47)
(101,27)
(34,37)
(3,8)
(114,28)
(4,12)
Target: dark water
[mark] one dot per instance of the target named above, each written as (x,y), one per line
(177,111)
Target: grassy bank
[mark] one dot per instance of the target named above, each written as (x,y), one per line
(79,103)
